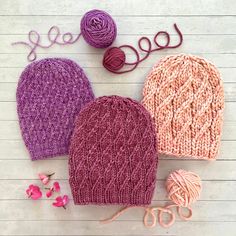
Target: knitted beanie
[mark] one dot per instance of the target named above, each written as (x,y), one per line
(112,155)
(50,93)
(185,96)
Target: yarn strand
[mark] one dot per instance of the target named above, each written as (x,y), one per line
(150,213)
(53,37)
(97,28)
(114,58)
(183,188)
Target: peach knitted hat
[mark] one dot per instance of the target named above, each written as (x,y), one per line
(185,96)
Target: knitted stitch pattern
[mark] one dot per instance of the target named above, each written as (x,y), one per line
(113,157)
(50,93)
(185,96)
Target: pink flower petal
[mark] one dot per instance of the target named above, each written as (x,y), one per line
(34,192)
(49,193)
(65,199)
(56,187)
(61,201)
(36,195)
(45,178)
(58,202)
(45,181)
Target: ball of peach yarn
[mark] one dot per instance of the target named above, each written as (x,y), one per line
(183,187)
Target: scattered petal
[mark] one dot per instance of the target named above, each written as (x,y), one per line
(34,192)
(49,193)
(61,201)
(45,178)
(56,187)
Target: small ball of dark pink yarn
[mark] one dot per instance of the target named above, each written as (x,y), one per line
(114,59)
(98,28)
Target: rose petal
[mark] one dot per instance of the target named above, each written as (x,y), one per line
(56,187)
(34,192)
(49,193)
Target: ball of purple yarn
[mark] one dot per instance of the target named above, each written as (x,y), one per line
(98,28)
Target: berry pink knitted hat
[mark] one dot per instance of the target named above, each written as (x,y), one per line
(113,157)
(185,96)
(49,95)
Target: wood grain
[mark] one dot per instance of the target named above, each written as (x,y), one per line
(57,227)
(209,29)
(99,75)
(9,169)
(217,190)
(94,60)
(7,91)
(118,7)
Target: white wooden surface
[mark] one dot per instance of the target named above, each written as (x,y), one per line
(209,28)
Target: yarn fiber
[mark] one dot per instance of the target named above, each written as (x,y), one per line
(50,93)
(114,58)
(98,28)
(112,156)
(183,187)
(184,95)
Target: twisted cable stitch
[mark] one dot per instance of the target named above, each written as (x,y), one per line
(50,93)
(112,155)
(185,96)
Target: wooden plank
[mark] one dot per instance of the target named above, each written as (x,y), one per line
(211,191)
(140,25)
(17,210)
(209,29)
(45,228)
(207,170)
(10,130)
(8,91)
(10,113)
(119,7)
(100,75)
(15,150)
(95,60)
(146,25)
(192,44)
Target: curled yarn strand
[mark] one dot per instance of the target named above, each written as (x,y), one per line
(97,28)
(114,58)
(150,217)
(150,211)
(149,214)
(54,36)
(183,188)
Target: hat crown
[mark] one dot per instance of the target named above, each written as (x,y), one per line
(50,93)
(184,95)
(113,156)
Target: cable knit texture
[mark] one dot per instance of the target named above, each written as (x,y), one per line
(113,157)
(185,96)
(49,95)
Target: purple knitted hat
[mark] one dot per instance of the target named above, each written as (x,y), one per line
(112,155)
(50,93)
